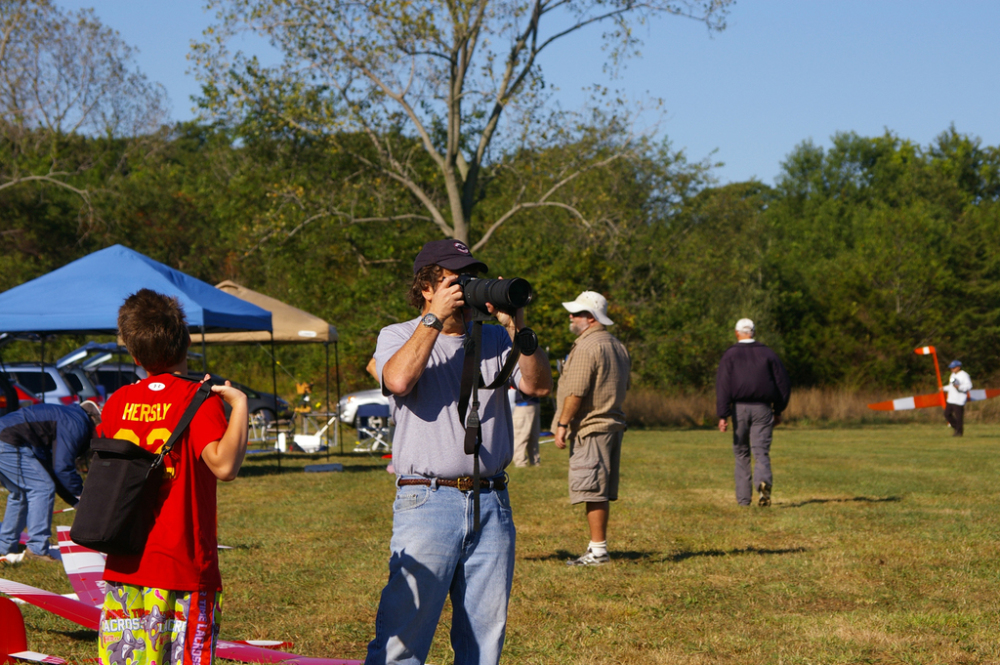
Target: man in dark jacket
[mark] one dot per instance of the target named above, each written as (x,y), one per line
(39,446)
(751,386)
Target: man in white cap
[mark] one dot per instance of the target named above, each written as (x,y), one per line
(589,416)
(752,386)
(958,394)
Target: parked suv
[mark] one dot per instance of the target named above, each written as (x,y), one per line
(259,405)
(110,376)
(39,380)
(81,384)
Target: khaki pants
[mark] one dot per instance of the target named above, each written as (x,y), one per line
(593,467)
(527,427)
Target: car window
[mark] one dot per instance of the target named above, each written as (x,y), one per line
(74,382)
(112,379)
(36,382)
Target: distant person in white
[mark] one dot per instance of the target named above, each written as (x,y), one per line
(958,394)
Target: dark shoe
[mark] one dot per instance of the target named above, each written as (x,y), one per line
(765,495)
(590,559)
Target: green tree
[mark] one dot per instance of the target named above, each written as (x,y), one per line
(877,250)
(456,85)
(65,74)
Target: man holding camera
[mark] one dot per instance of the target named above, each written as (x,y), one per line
(589,416)
(436,551)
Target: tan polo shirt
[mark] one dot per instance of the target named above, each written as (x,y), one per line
(597,371)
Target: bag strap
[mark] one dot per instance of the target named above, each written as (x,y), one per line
(199,398)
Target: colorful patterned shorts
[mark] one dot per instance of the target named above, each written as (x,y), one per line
(146,626)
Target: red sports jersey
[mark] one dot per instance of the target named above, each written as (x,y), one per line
(182,551)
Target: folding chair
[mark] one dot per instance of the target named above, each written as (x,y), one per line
(373,429)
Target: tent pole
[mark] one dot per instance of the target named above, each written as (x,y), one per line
(42,369)
(336,364)
(204,353)
(274,386)
(336,422)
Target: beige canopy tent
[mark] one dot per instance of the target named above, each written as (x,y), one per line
(290,325)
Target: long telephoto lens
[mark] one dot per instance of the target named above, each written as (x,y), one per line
(505,294)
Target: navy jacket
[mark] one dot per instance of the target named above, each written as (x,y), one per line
(56,436)
(751,372)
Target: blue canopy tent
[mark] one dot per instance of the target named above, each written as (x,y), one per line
(83,297)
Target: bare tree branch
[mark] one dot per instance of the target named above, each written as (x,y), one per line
(444,73)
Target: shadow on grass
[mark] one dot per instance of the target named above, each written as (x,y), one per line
(655,557)
(855,499)
(566,555)
(682,556)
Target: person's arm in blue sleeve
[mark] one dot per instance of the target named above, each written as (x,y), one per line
(72,438)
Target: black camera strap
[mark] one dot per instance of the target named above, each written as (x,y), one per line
(472,381)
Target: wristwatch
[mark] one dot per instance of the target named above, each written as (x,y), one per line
(527,341)
(432,321)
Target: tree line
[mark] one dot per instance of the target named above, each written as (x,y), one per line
(859,253)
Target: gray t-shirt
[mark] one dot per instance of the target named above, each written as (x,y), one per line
(429,438)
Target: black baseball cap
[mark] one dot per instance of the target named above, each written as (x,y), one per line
(448,253)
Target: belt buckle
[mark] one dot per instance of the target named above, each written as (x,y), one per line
(464,483)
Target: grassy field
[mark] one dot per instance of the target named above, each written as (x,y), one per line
(881,547)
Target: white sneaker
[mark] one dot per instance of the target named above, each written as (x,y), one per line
(13,559)
(590,559)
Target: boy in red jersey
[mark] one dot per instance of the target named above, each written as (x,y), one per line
(162,606)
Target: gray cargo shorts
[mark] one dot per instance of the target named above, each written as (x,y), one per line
(593,467)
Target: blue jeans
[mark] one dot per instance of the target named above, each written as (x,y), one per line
(30,502)
(435,553)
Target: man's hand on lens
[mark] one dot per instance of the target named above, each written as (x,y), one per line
(511,323)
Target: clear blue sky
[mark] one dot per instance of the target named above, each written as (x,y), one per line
(784,71)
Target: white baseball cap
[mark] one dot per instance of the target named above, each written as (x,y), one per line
(593,302)
(745,326)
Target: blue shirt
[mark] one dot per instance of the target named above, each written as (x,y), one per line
(56,435)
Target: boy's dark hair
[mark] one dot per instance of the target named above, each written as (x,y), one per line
(154,330)
(425,278)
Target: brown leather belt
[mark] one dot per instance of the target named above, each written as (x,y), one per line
(463,484)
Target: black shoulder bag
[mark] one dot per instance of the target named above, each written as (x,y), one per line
(118,504)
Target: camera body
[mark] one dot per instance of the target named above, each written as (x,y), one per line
(508,295)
